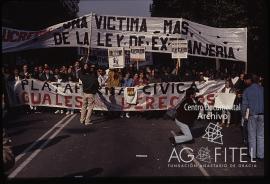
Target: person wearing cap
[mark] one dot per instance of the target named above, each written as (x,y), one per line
(254,101)
(186,114)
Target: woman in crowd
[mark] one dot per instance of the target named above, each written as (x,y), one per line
(113,79)
(141,80)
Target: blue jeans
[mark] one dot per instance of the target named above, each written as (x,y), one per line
(256,136)
(185,130)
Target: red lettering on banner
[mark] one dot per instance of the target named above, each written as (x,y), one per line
(67,101)
(47,98)
(56,101)
(25,97)
(161,102)
(123,104)
(149,102)
(138,107)
(210,99)
(34,102)
(78,100)
(173,98)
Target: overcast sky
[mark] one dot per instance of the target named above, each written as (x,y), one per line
(115,7)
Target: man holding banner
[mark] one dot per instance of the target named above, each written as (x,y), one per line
(90,87)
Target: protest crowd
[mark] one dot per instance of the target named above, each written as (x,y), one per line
(126,77)
(130,77)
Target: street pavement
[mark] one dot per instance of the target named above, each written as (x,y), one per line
(58,145)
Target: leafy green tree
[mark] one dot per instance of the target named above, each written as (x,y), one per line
(224,13)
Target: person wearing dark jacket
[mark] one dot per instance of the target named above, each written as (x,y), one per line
(186,114)
(47,76)
(90,87)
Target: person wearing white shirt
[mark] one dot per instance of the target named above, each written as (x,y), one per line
(227,89)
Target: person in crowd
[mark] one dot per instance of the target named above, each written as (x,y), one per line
(135,78)
(253,99)
(46,66)
(102,77)
(15,76)
(5,72)
(227,89)
(93,69)
(47,76)
(193,75)
(102,80)
(63,73)
(141,80)
(70,75)
(201,78)
(113,79)
(56,75)
(90,87)
(131,69)
(175,73)
(186,76)
(240,87)
(35,73)
(113,82)
(147,69)
(25,72)
(58,78)
(184,118)
(77,69)
(40,72)
(166,76)
(127,81)
(240,84)
(5,79)
(153,78)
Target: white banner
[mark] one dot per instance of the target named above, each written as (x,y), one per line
(127,31)
(156,34)
(116,57)
(157,96)
(224,100)
(73,33)
(179,49)
(137,54)
(222,43)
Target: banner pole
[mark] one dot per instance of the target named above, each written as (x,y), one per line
(178,64)
(217,64)
(89,48)
(246,51)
